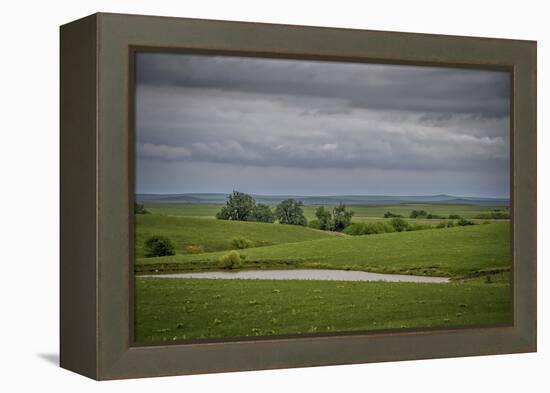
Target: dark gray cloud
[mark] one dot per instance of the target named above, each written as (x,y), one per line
(307,118)
(362,85)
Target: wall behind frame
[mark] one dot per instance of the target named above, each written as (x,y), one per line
(29,163)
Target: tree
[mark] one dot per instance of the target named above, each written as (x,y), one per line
(290,211)
(262,213)
(239,207)
(324,218)
(341,217)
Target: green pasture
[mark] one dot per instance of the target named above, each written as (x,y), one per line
(362,212)
(176,309)
(476,257)
(447,252)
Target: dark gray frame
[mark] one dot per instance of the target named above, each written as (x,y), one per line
(97,194)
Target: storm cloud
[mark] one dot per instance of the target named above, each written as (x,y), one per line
(294,126)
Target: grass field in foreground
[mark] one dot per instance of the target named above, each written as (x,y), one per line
(362,212)
(171,309)
(447,252)
(216,235)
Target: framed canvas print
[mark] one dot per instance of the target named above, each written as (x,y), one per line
(241,196)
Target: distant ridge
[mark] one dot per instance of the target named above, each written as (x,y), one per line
(220,198)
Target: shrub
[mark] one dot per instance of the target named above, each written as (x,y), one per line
(450,224)
(241,243)
(314,224)
(462,222)
(442,224)
(368,228)
(231,260)
(372,228)
(391,215)
(418,227)
(454,217)
(399,224)
(433,216)
(139,208)
(159,246)
(355,229)
(194,249)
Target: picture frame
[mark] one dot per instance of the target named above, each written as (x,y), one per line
(97,194)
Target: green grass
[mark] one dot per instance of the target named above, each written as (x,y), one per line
(172,309)
(362,212)
(450,252)
(216,235)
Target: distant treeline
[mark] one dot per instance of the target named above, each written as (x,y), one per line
(398,224)
(495,214)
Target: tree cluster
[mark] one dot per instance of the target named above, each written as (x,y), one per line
(337,220)
(243,207)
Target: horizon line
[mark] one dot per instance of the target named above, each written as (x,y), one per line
(327,195)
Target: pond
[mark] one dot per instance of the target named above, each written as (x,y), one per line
(304,274)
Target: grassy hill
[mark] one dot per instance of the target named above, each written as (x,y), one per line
(437,252)
(216,235)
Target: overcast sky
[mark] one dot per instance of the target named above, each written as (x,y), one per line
(272,126)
